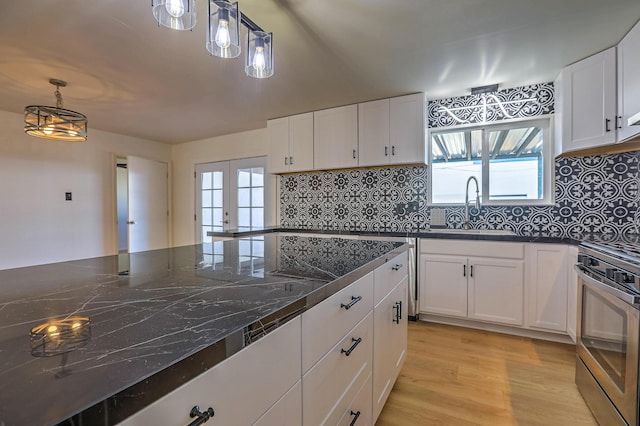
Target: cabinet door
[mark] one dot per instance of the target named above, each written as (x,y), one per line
(496,290)
(278,139)
(629,82)
(443,285)
(589,102)
(389,343)
(301,142)
(373,133)
(547,286)
(335,138)
(407,129)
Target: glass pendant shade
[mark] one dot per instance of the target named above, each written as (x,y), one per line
(223,32)
(259,57)
(175,14)
(55,123)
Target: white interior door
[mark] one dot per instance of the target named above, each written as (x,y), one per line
(148,204)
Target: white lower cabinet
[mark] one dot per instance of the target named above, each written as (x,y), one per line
(325,385)
(529,286)
(479,288)
(389,343)
(496,288)
(240,389)
(547,286)
(358,411)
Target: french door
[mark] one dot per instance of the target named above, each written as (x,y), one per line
(230,195)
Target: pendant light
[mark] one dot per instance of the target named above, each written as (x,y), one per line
(259,57)
(175,14)
(55,123)
(223,32)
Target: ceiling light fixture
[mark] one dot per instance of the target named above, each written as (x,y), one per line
(55,123)
(223,32)
(175,14)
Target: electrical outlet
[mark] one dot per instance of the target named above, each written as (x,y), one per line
(67,196)
(438,217)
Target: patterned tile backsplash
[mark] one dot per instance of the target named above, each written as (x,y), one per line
(592,194)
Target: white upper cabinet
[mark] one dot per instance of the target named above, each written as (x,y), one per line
(301,142)
(373,133)
(290,144)
(407,129)
(335,137)
(392,131)
(586,103)
(278,141)
(629,84)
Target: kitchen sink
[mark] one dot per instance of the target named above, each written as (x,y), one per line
(473,231)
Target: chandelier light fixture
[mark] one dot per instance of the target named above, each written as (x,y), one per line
(55,123)
(223,32)
(175,14)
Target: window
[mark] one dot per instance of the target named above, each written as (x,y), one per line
(513,163)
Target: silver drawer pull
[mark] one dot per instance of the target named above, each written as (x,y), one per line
(397,267)
(202,416)
(356,414)
(354,300)
(356,342)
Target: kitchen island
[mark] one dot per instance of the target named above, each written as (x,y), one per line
(130,329)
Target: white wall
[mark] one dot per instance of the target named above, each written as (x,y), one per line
(37,225)
(184,158)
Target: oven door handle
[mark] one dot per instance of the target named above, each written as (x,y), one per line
(624,296)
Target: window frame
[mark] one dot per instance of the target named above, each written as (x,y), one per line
(545,122)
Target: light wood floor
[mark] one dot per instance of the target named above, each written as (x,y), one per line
(460,376)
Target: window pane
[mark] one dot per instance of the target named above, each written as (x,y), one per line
(217,198)
(217,217)
(244,247)
(205,238)
(257,197)
(244,197)
(206,180)
(257,177)
(217,180)
(258,248)
(244,178)
(206,199)
(455,157)
(207,219)
(257,217)
(516,164)
(244,217)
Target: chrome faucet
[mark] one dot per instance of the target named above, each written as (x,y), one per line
(466,201)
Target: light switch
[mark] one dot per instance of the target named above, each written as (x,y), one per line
(67,196)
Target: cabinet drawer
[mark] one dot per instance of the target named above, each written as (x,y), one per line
(239,389)
(358,406)
(326,323)
(472,248)
(388,275)
(329,380)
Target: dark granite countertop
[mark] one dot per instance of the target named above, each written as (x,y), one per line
(156,319)
(453,234)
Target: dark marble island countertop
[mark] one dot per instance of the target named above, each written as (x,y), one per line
(131,328)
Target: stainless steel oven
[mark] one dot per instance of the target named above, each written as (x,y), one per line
(608,332)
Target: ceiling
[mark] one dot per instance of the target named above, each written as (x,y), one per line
(130,76)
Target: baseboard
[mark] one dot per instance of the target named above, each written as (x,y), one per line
(496,328)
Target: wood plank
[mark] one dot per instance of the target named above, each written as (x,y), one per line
(460,376)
